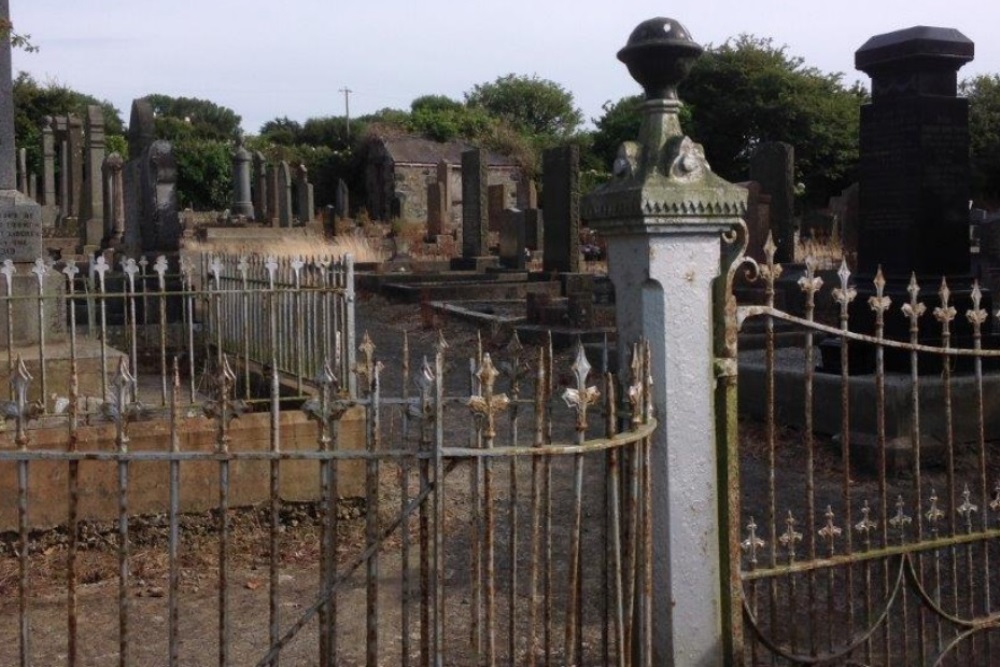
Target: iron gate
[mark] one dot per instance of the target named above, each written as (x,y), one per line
(873,547)
(504,508)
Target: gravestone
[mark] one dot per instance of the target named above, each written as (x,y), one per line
(304,194)
(92,203)
(913,190)
(773,166)
(114,201)
(22,170)
(475,213)
(914,159)
(272,196)
(75,148)
(534,230)
(48,163)
(150,192)
(242,196)
(561,206)
(342,200)
(757,219)
(141,128)
(497,197)
(20,223)
(512,242)
(284,194)
(260,186)
(845,207)
(435,210)
(447,194)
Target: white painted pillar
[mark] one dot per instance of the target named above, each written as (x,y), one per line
(663,218)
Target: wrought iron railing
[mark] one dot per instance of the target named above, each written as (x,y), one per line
(873,547)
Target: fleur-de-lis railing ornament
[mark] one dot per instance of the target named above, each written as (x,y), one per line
(224,408)
(101,268)
(215,267)
(143,264)
(364,368)
(913,309)
(297,264)
(119,408)
(487,405)
(581,397)
(421,406)
(326,407)
(967,508)
(70,270)
(867,525)
(769,270)
(844,294)
(131,270)
(976,315)
(810,283)
(879,302)
(934,513)
(790,537)
(753,543)
(243,268)
(995,503)
(514,368)
(900,520)
(830,531)
(40,270)
(7,269)
(160,268)
(271,266)
(945,313)
(19,409)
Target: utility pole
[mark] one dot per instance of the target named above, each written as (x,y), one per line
(347,108)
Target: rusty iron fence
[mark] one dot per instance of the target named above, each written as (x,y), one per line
(876,546)
(506,519)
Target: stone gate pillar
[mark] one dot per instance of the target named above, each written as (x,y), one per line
(663,216)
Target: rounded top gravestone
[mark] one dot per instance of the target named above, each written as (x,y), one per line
(659,54)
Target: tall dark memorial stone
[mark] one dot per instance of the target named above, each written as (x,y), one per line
(914,166)
(913,201)
(561,205)
(475,213)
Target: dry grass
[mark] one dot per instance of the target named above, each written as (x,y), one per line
(362,248)
(827,253)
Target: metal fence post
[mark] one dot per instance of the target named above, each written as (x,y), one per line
(664,216)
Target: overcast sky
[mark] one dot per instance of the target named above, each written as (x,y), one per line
(270,59)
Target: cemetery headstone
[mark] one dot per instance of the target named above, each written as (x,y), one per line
(242,196)
(150,188)
(435,210)
(561,206)
(304,194)
(534,230)
(75,146)
(260,185)
(48,163)
(773,166)
(141,128)
(342,200)
(284,194)
(512,242)
(114,201)
(92,203)
(272,196)
(475,213)
(497,196)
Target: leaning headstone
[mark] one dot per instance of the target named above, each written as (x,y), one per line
(512,242)
(92,203)
(284,194)
(242,196)
(561,205)
(260,185)
(773,166)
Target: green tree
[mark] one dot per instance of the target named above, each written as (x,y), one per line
(204,173)
(620,122)
(748,91)
(188,117)
(282,131)
(983,92)
(534,106)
